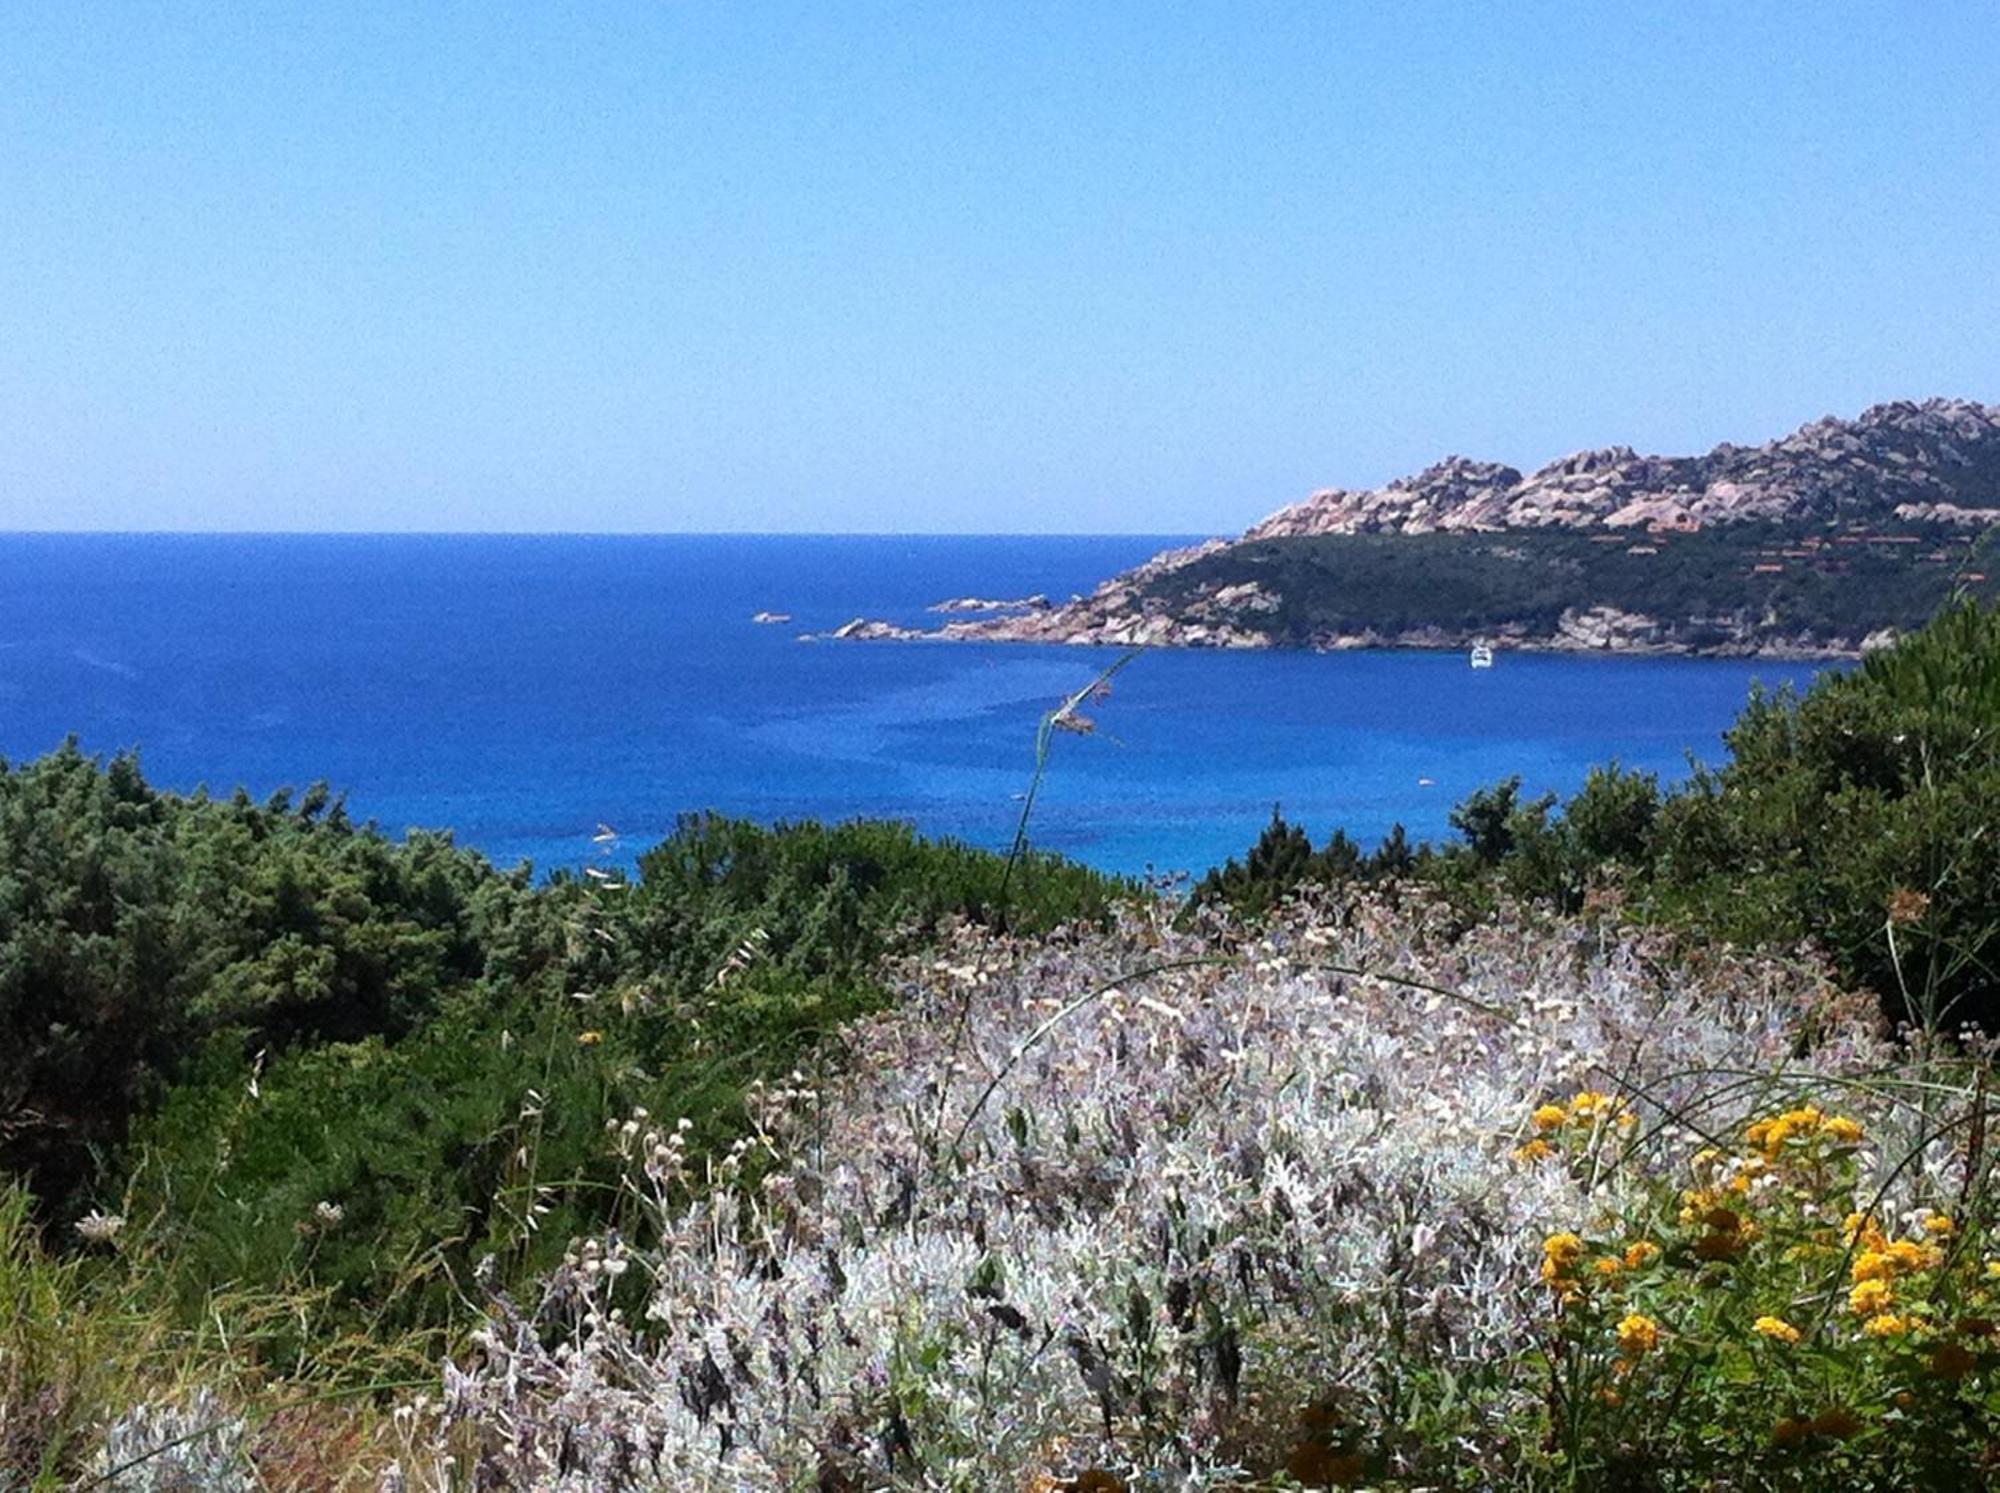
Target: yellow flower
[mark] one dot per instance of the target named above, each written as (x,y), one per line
(1560,1253)
(1550,1117)
(1590,1105)
(1641,1254)
(1872,1264)
(1861,1228)
(1697,1201)
(1938,1224)
(1777,1329)
(1638,1335)
(1870,1297)
(1562,1249)
(1609,1265)
(1771,1135)
(1842,1130)
(1535,1150)
(1910,1255)
(1888,1324)
(589,1039)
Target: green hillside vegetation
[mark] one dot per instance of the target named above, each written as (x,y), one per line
(1826,583)
(219,1015)
(1860,817)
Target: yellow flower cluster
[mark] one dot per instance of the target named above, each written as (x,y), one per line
(1880,1263)
(1585,1112)
(1638,1335)
(1889,1260)
(1777,1329)
(1590,1107)
(1802,1126)
(1564,1256)
(1887,1324)
(1560,1254)
(1923,1300)
(1870,1297)
(1637,1256)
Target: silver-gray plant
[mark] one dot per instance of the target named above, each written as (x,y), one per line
(190,1446)
(1146,1201)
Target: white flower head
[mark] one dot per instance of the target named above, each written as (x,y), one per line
(99,1228)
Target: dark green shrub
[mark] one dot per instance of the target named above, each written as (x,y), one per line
(1283,860)
(1490,819)
(1611,817)
(831,898)
(1394,857)
(480,1130)
(135,927)
(282,1009)
(1863,816)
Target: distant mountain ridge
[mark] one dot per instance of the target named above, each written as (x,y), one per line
(1936,460)
(1823,543)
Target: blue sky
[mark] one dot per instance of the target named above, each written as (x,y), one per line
(959,267)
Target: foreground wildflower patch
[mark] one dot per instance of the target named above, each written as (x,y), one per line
(1782,1304)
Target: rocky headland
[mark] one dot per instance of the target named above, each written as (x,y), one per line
(1825,542)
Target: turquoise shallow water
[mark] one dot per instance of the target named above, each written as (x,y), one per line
(523,690)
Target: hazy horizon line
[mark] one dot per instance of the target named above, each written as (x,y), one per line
(597,534)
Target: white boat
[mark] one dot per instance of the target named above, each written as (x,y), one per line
(1482,656)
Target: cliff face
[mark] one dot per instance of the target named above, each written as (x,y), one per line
(1938,460)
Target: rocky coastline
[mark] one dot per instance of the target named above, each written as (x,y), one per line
(1850,508)
(1599,630)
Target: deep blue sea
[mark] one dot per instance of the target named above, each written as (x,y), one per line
(523,691)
